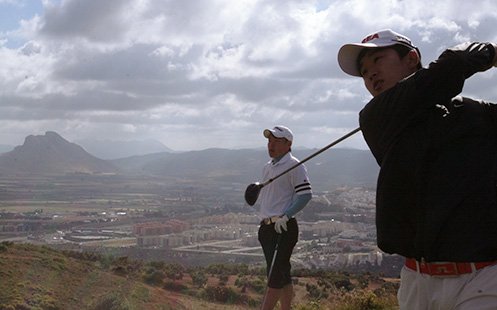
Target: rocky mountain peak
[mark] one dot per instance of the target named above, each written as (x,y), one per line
(51,153)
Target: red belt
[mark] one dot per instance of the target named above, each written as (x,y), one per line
(445,269)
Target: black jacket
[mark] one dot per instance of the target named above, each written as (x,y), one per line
(436,192)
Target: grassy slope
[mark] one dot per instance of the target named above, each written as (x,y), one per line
(34,277)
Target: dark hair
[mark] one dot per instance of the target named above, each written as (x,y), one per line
(401,50)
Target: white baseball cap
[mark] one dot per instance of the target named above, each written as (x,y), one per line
(347,55)
(279,132)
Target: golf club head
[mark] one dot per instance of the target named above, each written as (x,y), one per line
(252,193)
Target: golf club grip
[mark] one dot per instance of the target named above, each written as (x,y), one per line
(313,155)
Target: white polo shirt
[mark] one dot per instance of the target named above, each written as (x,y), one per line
(277,196)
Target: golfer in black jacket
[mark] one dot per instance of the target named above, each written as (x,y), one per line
(436,192)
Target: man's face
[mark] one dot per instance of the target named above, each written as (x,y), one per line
(278,147)
(383,68)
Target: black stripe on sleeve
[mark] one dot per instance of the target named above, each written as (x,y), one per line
(302,187)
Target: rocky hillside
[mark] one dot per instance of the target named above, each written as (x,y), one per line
(50,153)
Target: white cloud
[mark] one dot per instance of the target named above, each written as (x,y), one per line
(140,69)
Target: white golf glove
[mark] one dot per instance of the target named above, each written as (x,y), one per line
(281,224)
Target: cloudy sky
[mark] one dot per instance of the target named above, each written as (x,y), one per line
(197,74)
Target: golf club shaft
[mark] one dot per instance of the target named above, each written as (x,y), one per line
(271,268)
(313,155)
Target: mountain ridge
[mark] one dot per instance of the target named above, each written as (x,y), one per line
(50,153)
(330,169)
(114,149)
(53,154)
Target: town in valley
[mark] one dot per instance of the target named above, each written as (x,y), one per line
(185,221)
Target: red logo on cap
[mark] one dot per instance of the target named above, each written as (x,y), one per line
(371,37)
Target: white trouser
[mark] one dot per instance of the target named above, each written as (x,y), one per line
(471,291)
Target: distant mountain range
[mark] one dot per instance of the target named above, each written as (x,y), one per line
(108,149)
(53,154)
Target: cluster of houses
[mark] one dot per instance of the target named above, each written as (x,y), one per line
(336,243)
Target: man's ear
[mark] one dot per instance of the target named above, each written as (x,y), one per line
(289,143)
(413,58)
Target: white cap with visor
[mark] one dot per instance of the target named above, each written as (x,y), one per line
(347,55)
(279,132)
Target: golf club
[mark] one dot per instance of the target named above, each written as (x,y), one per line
(253,190)
(271,269)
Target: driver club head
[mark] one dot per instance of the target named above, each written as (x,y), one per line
(252,193)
